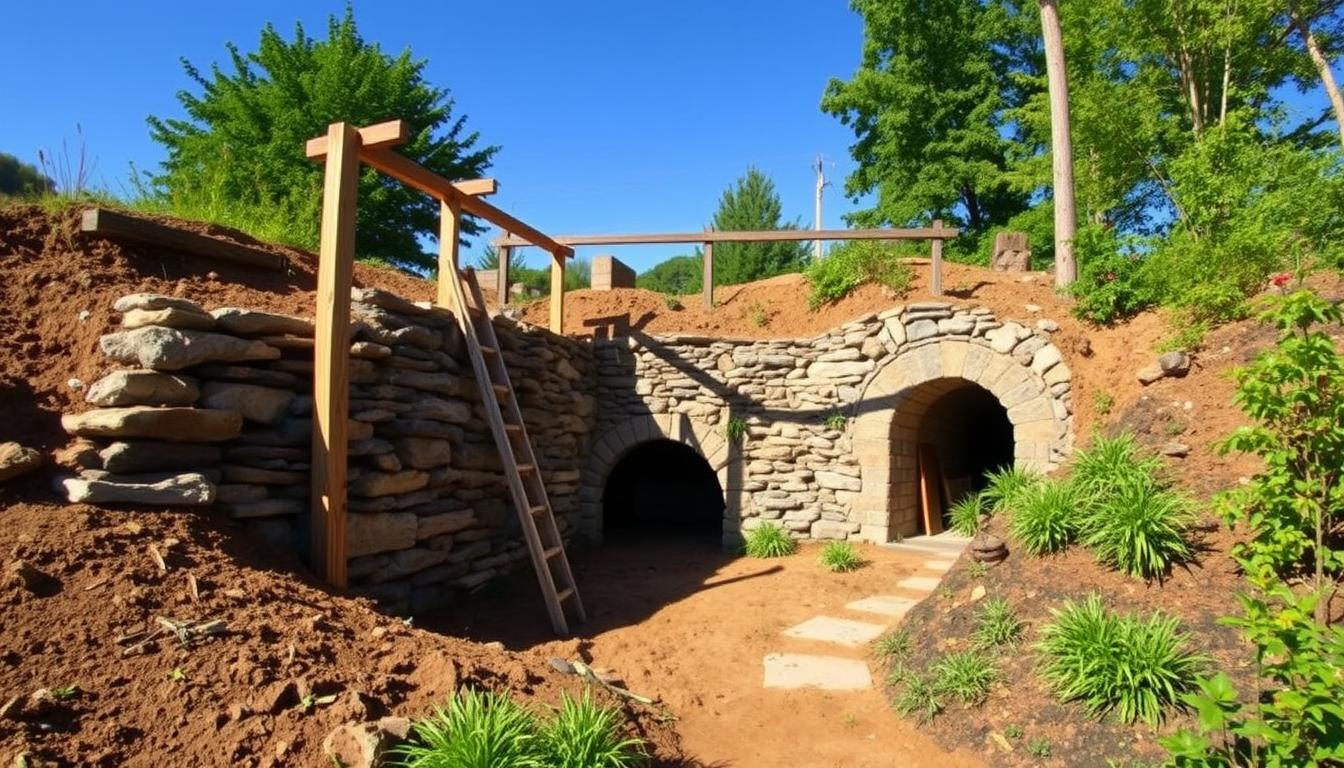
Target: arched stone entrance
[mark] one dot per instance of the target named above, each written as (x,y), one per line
(893,408)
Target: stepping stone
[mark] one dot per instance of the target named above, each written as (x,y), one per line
(919,583)
(887,605)
(943,566)
(796,670)
(831,630)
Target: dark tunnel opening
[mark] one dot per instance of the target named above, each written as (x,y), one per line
(663,488)
(972,435)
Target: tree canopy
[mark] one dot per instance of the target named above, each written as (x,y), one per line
(240,147)
(678,275)
(753,204)
(20,178)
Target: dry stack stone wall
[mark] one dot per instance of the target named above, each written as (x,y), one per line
(214,408)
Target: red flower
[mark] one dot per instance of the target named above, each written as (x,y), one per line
(1281,279)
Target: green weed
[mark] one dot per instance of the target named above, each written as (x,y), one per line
(997,624)
(893,646)
(1045,518)
(965,514)
(1004,486)
(735,430)
(840,557)
(966,675)
(769,540)
(581,734)
(1138,527)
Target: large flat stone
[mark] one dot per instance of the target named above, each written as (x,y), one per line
(831,673)
(155,301)
(195,425)
(919,583)
(16,460)
(129,457)
(370,533)
(423,452)
(249,322)
(142,388)
(828,629)
(170,349)
(263,405)
(169,317)
(187,489)
(371,484)
(885,605)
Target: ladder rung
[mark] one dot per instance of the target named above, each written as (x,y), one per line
(538,510)
(564,594)
(552,551)
(489,350)
(526,469)
(501,390)
(514,429)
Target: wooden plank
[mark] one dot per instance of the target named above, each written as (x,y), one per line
(389,134)
(707,275)
(434,185)
(756,236)
(331,369)
(114,225)
(930,489)
(557,294)
(936,265)
(477,187)
(502,277)
(449,224)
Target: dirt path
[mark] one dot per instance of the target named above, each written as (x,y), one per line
(681,621)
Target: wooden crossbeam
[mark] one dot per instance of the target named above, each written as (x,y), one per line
(390,134)
(758,236)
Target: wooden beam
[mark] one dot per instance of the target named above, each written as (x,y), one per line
(113,225)
(557,293)
(390,134)
(449,225)
(434,185)
(758,236)
(707,289)
(477,187)
(331,365)
(502,276)
(936,263)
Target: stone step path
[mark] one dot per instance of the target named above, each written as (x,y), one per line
(839,673)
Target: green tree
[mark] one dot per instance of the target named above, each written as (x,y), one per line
(241,147)
(20,178)
(678,275)
(753,204)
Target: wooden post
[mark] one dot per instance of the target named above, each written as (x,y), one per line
(936,263)
(707,290)
(331,365)
(449,224)
(502,277)
(557,292)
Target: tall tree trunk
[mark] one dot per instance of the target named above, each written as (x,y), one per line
(1061,145)
(1322,66)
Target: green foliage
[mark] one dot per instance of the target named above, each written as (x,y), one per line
(735,430)
(1188,337)
(21,179)
(476,730)
(1110,461)
(769,540)
(1045,516)
(758,316)
(679,276)
(1039,748)
(1138,526)
(239,154)
(753,204)
(965,514)
(976,569)
(1012,731)
(852,264)
(840,557)
(1112,283)
(894,646)
(836,420)
(1004,488)
(965,675)
(582,734)
(1133,666)
(918,696)
(996,624)
(1103,402)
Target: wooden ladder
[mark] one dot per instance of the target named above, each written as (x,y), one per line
(515,451)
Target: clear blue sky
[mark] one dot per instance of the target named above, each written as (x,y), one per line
(612,116)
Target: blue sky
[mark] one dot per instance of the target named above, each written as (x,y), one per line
(612,116)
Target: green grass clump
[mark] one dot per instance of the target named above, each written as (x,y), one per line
(852,264)
(966,675)
(1045,517)
(996,624)
(477,730)
(919,698)
(582,734)
(1111,461)
(1133,666)
(894,646)
(965,514)
(1005,486)
(735,430)
(840,557)
(1138,526)
(769,540)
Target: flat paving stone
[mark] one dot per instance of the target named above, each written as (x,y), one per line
(832,630)
(939,565)
(919,583)
(832,673)
(887,605)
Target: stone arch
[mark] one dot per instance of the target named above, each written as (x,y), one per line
(898,393)
(615,443)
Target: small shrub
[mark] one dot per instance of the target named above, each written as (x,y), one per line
(758,316)
(893,646)
(1110,461)
(852,264)
(918,697)
(836,420)
(1123,663)
(1103,402)
(582,734)
(673,303)
(967,675)
(1173,427)
(997,624)
(1039,748)
(1138,527)
(1012,731)
(1004,486)
(477,730)
(965,514)
(735,430)
(1189,337)
(769,540)
(840,557)
(1046,517)
(976,569)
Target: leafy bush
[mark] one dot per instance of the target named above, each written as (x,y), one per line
(477,730)
(967,675)
(1138,526)
(852,264)
(582,734)
(1004,487)
(679,275)
(996,624)
(769,540)
(1045,518)
(840,557)
(1112,283)
(965,514)
(1123,663)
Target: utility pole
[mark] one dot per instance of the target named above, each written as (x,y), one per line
(820,168)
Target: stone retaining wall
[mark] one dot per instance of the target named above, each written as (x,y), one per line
(830,422)
(215,408)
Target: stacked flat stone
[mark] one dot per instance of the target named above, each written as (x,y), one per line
(217,407)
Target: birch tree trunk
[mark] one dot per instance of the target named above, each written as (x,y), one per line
(1322,66)
(1061,145)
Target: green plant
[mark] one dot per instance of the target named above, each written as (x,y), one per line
(967,675)
(476,730)
(996,624)
(1004,486)
(836,420)
(918,697)
(735,430)
(1103,402)
(758,315)
(1045,519)
(1039,748)
(65,692)
(177,675)
(965,514)
(1173,427)
(752,203)
(1188,337)
(894,646)
(1138,526)
(673,303)
(1012,731)
(851,721)
(1110,461)
(1133,666)
(976,569)
(852,264)
(840,557)
(769,540)
(581,734)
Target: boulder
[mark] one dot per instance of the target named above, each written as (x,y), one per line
(370,533)
(372,484)
(365,745)
(1150,374)
(1174,363)
(423,452)
(171,349)
(988,548)
(263,405)
(16,460)
(152,456)
(169,317)
(1174,449)
(837,481)
(143,388)
(196,425)
(249,322)
(155,301)
(187,489)
(449,522)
